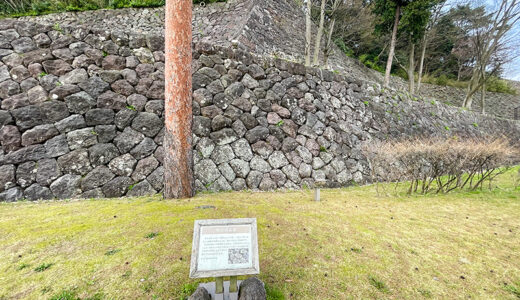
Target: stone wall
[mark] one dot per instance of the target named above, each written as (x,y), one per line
(82,116)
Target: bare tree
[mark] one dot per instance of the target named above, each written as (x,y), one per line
(308,33)
(490,39)
(178,159)
(430,31)
(316,57)
(332,24)
(391,52)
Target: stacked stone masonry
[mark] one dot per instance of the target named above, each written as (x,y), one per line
(81,116)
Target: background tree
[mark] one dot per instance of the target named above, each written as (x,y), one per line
(389,15)
(416,16)
(490,41)
(308,32)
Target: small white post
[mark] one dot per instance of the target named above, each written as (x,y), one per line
(317,194)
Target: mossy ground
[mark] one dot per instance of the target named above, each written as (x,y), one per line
(351,245)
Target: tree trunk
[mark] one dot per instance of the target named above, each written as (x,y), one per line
(411,69)
(308,33)
(317,43)
(178,156)
(473,86)
(483,98)
(328,48)
(421,63)
(392,48)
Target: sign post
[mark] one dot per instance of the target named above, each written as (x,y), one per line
(224,247)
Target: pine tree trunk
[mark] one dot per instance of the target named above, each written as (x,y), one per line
(178,153)
(411,69)
(421,63)
(317,43)
(392,48)
(308,33)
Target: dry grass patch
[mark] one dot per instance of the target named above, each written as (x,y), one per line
(353,244)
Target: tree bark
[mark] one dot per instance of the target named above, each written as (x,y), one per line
(317,43)
(178,159)
(421,63)
(483,98)
(411,69)
(308,33)
(392,47)
(328,48)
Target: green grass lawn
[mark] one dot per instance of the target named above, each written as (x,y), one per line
(354,244)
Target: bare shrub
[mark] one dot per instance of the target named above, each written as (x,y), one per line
(440,165)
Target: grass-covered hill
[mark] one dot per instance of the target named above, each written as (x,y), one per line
(352,244)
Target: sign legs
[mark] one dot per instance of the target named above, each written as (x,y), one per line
(219,289)
(233,284)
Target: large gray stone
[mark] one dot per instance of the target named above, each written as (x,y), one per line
(147,123)
(80,103)
(252,289)
(28,116)
(5,118)
(59,91)
(111,100)
(143,188)
(102,154)
(105,133)
(99,116)
(9,88)
(10,138)
(11,195)
(200,294)
(206,171)
(33,152)
(96,178)
(224,136)
(201,126)
(23,44)
(258,164)
(81,138)
(74,77)
(128,139)
(277,160)
(242,149)
(156,179)
(240,167)
(263,149)
(7,177)
(145,148)
(16,101)
(37,94)
(26,174)
(53,111)
(222,154)
(75,162)
(38,192)
(39,134)
(56,67)
(253,179)
(123,165)
(66,187)
(94,86)
(57,146)
(144,168)
(256,134)
(47,171)
(117,187)
(71,123)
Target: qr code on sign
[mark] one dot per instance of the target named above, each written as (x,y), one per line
(238,256)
